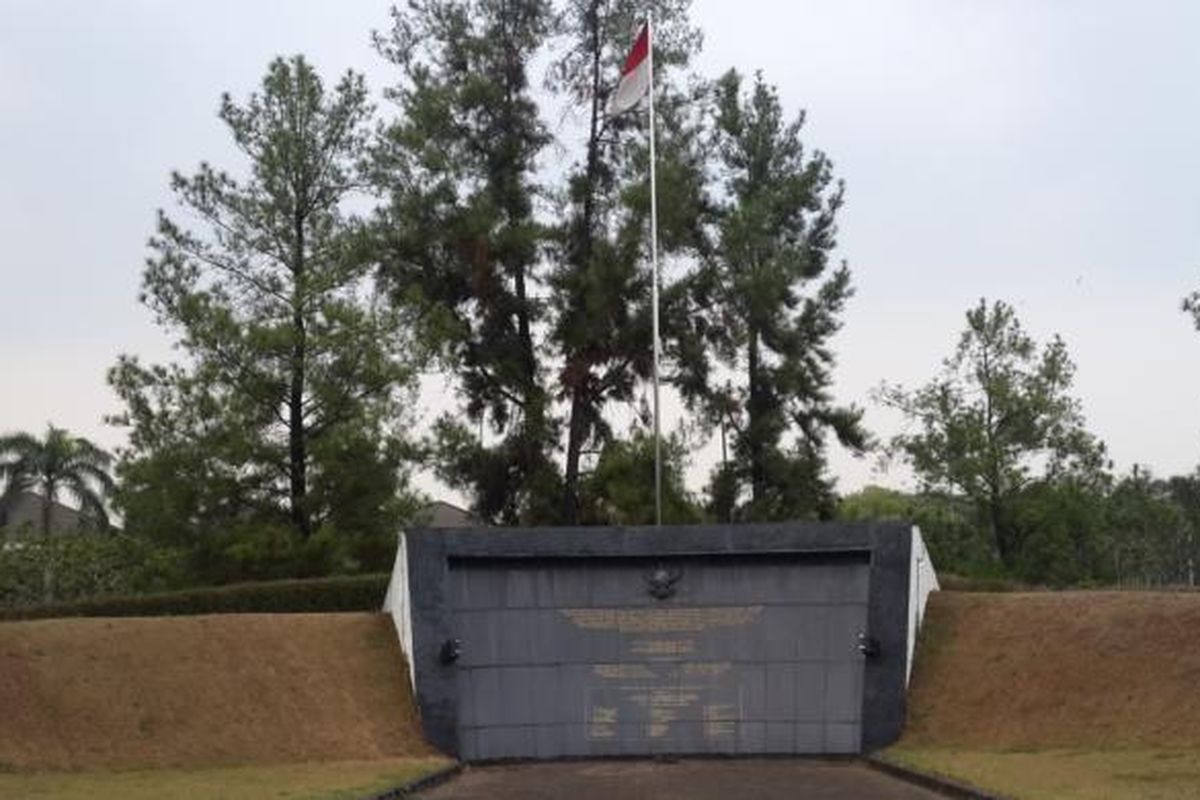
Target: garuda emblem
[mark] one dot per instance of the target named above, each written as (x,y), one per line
(660,581)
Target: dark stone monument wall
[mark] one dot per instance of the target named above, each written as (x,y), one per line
(544,643)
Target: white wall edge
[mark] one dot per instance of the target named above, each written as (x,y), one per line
(922,580)
(398,603)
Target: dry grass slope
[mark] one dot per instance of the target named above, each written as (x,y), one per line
(82,694)
(1157,774)
(1025,671)
(322,780)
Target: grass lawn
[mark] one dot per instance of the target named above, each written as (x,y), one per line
(333,780)
(1066,774)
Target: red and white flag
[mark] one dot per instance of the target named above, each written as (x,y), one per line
(635,75)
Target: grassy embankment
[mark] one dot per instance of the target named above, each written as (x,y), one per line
(1072,695)
(254,705)
(331,780)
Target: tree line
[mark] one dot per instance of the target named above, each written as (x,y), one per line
(457,230)
(1011,482)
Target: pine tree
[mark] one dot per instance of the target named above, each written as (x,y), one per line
(463,244)
(289,356)
(601,281)
(770,338)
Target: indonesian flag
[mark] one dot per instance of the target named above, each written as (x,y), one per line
(635,76)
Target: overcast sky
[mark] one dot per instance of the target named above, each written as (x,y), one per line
(1044,153)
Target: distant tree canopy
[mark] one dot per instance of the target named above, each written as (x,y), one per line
(948,523)
(1011,482)
(997,420)
(1135,531)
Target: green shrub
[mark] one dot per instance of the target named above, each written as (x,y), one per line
(315,595)
(40,569)
(957,542)
(269,550)
(969,583)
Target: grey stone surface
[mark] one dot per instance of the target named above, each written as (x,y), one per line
(566,652)
(607,668)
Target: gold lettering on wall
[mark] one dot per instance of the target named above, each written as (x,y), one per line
(662,647)
(709,669)
(602,723)
(627,672)
(719,720)
(662,685)
(660,620)
(663,707)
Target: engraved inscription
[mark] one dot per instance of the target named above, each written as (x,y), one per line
(710,669)
(602,722)
(665,687)
(720,720)
(625,672)
(663,706)
(660,620)
(662,647)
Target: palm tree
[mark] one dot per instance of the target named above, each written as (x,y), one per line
(60,463)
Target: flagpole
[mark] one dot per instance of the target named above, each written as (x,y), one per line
(654,272)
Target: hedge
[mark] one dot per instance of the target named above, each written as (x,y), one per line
(950,582)
(342,593)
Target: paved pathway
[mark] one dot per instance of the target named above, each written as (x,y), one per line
(734,779)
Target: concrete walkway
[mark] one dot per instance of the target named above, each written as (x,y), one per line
(744,779)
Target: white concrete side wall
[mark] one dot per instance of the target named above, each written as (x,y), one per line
(398,603)
(921,581)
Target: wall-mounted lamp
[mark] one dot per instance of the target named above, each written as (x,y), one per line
(867,645)
(451,650)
